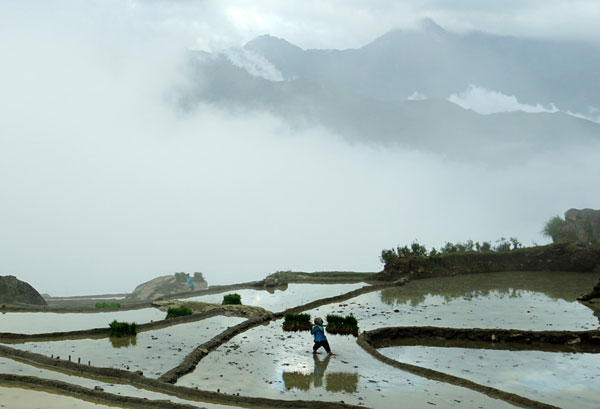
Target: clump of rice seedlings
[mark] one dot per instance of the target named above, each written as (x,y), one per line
(181,311)
(231,299)
(296,322)
(108,305)
(337,324)
(122,329)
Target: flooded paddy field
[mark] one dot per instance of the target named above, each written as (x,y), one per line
(16,367)
(42,322)
(280,300)
(514,300)
(567,380)
(23,398)
(268,362)
(152,352)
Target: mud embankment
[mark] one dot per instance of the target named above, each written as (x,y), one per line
(554,257)
(514,399)
(508,339)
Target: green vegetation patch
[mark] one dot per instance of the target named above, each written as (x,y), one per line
(108,305)
(347,325)
(122,329)
(296,322)
(232,299)
(419,251)
(181,311)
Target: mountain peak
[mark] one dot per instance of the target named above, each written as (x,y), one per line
(267,41)
(429,25)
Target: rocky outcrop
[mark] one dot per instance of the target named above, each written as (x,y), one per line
(554,257)
(583,225)
(16,292)
(595,293)
(163,286)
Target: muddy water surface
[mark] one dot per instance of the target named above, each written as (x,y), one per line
(42,322)
(568,380)
(21,398)
(10,366)
(279,300)
(520,300)
(265,361)
(152,352)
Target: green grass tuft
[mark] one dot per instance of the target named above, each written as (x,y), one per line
(107,305)
(181,311)
(122,329)
(232,299)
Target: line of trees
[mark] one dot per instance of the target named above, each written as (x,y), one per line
(416,249)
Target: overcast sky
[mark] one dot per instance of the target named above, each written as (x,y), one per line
(105,184)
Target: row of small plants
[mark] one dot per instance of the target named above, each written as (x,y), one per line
(336,324)
(232,299)
(181,311)
(108,305)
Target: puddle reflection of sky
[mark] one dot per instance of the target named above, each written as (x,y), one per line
(563,379)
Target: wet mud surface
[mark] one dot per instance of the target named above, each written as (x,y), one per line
(22,398)
(9,366)
(152,352)
(567,380)
(265,361)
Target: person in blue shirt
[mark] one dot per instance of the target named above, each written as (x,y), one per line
(320,339)
(190,282)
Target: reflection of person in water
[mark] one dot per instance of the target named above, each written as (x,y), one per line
(319,371)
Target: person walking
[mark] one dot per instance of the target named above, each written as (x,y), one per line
(320,339)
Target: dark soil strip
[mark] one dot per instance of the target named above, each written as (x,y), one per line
(74,308)
(513,399)
(139,381)
(9,337)
(507,339)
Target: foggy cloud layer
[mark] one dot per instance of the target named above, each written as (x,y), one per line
(107,183)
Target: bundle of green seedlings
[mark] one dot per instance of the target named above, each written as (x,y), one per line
(296,322)
(122,329)
(181,311)
(108,305)
(232,299)
(337,324)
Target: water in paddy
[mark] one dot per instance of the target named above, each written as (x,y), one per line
(568,380)
(512,300)
(152,352)
(42,322)
(268,362)
(279,300)
(23,398)
(10,366)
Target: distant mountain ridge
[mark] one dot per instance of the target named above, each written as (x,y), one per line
(437,63)
(435,125)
